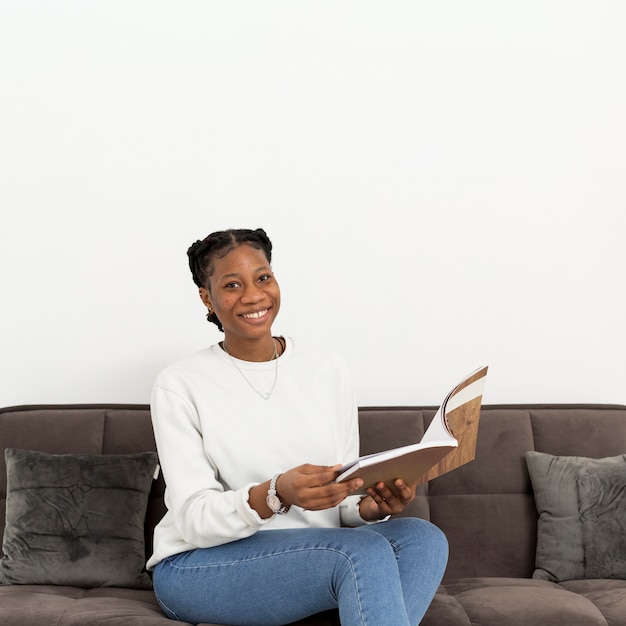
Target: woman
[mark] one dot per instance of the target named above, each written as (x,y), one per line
(250,434)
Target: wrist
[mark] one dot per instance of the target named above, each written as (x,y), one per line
(256,499)
(273,499)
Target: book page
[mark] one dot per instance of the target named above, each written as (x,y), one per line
(462,414)
(437,430)
(440,428)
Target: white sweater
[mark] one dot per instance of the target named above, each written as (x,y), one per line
(216,438)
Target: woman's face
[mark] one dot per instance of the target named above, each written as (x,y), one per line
(243,293)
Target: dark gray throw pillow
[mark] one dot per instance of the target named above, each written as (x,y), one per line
(76,520)
(602,509)
(582,509)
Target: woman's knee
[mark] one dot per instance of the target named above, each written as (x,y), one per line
(410,527)
(431,544)
(424,528)
(414,534)
(432,534)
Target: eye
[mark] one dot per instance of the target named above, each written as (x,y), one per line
(232,285)
(264,277)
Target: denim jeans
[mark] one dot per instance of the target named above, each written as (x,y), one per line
(382,574)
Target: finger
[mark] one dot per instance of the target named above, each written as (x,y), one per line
(378,497)
(331,472)
(336,491)
(309,468)
(329,495)
(309,477)
(405,492)
(320,474)
(385,491)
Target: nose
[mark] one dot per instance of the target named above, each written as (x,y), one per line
(252,293)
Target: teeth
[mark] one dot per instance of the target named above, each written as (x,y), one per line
(256,315)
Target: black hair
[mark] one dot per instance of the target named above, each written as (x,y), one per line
(217,245)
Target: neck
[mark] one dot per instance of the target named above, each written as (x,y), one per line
(258,350)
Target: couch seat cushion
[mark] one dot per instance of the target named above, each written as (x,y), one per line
(512,602)
(34,605)
(608,595)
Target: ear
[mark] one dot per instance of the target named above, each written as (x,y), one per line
(205,297)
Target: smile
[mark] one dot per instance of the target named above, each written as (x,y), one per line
(256,315)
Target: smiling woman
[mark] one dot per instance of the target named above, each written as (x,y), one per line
(255,406)
(243,296)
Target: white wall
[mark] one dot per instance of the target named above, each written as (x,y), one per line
(444,183)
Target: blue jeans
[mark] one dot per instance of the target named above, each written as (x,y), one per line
(379,574)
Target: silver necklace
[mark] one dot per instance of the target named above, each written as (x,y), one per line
(265,395)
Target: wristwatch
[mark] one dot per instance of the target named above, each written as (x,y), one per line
(273,501)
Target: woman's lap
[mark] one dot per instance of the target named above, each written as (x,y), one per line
(279,576)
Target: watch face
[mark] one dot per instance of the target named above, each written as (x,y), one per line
(273,502)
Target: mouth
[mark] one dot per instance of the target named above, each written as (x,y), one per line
(256,315)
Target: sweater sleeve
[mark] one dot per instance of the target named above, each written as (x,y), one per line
(203,512)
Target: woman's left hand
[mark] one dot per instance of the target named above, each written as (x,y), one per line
(382,501)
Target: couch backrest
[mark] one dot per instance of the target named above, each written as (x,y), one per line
(486,508)
(81,429)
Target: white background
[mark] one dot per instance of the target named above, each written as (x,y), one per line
(444,183)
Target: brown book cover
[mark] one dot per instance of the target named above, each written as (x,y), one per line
(449,442)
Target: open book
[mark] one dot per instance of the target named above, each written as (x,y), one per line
(449,441)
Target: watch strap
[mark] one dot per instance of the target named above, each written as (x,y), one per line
(273,499)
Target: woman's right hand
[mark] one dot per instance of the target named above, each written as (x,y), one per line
(313,487)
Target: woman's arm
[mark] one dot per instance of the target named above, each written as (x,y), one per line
(204,513)
(311,487)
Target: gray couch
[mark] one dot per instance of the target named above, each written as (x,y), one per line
(486,508)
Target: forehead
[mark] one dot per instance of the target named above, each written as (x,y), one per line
(242,258)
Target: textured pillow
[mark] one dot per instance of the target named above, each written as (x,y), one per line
(76,520)
(582,506)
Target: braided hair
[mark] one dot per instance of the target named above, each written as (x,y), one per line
(217,245)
